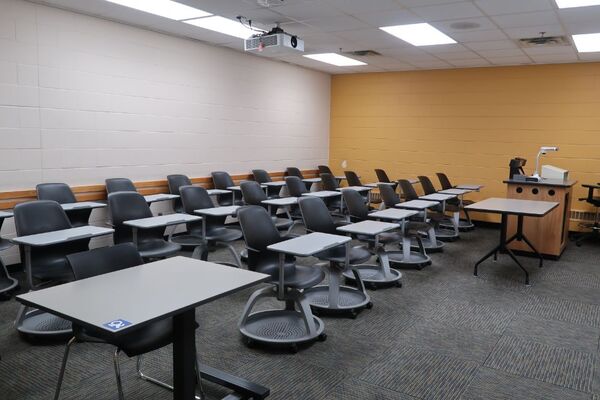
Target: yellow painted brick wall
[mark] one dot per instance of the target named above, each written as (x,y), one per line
(468,123)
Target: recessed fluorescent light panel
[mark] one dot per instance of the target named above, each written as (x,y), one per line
(223,25)
(164,8)
(335,59)
(418,34)
(576,3)
(587,43)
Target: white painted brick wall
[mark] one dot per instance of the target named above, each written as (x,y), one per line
(83,99)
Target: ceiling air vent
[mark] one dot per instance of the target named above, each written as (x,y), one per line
(544,41)
(362,53)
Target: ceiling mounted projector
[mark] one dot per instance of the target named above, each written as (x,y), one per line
(274,42)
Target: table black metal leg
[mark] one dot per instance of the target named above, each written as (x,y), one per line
(514,258)
(534,250)
(488,255)
(184,355)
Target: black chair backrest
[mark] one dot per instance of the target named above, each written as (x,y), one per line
(59,192)
(381,175)
(352,179)
(221,179)
(104,260)
(444,181)
(324,169)
(40,216)
(119,185)
(197,198)
(253,194)
(408,190)
(357,208)
(316,215)
(295,186)
(328,181)
(125,206)
(175,182)
(261,176)
(388,195)
(293,171)
(258,228)
(428,187)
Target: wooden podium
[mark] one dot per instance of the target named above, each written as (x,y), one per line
(548,234)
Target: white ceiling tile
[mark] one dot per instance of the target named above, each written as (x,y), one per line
(417,3)
(526,19)
(356,7)
(431,64)
(501,53)
(334,24)
(459,55)
(491,45)
(444,48)
(534,31)
(475,62)
(483,23)
(371,38)
(303,10)
(581,20)
(447,11)
(299,29)
(479,36)
(509,60)
(498,7)
(554,58)
(388,18)
(565,50)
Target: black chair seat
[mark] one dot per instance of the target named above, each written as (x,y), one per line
(157,248)
(55,269)
(295,276)
(282,223)
(358,255)
(185,240)
(223,234)
(5,282)
(140,341)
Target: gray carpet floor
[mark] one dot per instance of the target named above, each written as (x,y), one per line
(444,335)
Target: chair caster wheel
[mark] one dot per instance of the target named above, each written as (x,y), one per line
(353,314)
(369,305)
(398,284)
(577,244)
(322,337)
(249,342)
(294,349)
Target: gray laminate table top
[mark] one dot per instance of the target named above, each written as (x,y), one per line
(438,197)
(417,204)
(394,214)
(311,180)
(274,183)
(162,220)
(82,205)
(375,184)
(218,211)
(369,228)
(141,294)
(497,205)
(152,198)
(62,236)
(456,192)
(470,186)
(6,214)
(307,245)
(283,201)
(323,193)
(357,188)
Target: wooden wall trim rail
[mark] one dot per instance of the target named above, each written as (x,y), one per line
(9,199)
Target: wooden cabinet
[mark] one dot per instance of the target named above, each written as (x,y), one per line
(549,234)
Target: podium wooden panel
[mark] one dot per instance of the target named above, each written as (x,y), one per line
(548,234)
